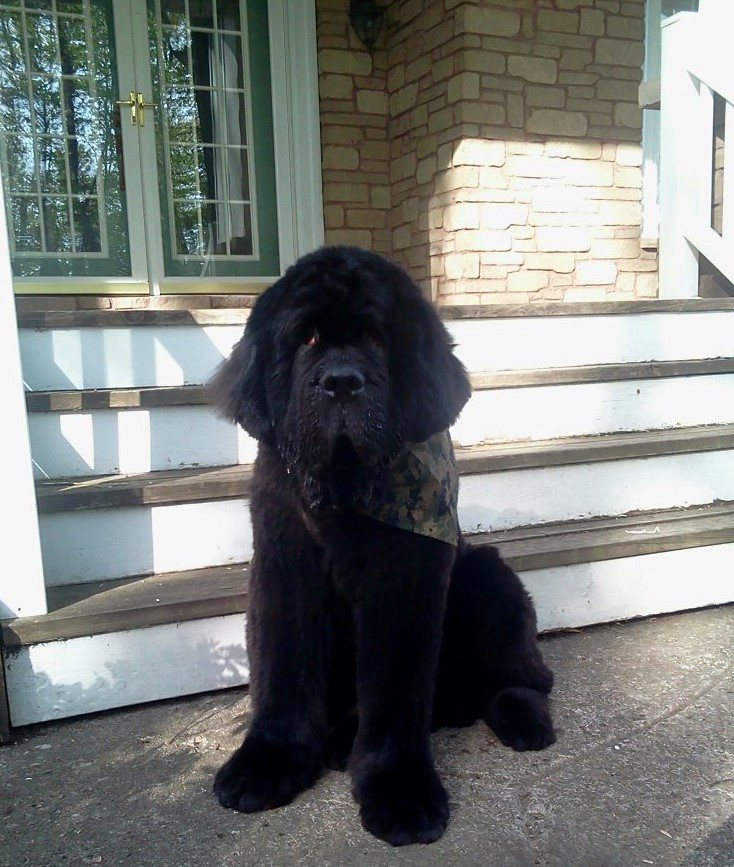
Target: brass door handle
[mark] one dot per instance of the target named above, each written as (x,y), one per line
(137,105)
(141,106)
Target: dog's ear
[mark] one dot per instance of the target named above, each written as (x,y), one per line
(237,387)
(433,383)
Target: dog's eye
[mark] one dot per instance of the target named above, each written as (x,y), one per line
(313,339)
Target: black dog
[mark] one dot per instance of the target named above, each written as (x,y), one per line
(370,618)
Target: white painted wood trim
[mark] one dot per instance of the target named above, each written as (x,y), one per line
(296,127)
(109,441)
(609,590)
(22,591)
(570,341)
(678,264)
(135,357)
(147,149)
(82,675)
(99,544)
(539,495)
(548,412)
(123,14)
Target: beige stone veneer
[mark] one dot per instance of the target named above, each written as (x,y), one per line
(491,146)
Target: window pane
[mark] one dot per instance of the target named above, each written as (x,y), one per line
(202,81)
(59,141)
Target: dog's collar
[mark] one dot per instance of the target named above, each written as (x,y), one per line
(422,491)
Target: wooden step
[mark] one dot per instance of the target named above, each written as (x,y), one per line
(30,307)
(196,484)
(132,603)
(84,400)
(142,602)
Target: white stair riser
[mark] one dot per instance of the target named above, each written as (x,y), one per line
(170,538)
(137,357)
(610,590)
(105,442)
(548,412)
(98,544)
(83,675)
(542,342)
(514,498)
(143,356)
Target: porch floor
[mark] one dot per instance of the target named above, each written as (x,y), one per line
(642,773)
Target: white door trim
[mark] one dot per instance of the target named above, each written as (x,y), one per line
(22,591)
(296,127)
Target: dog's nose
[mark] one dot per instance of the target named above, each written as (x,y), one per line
(342,383)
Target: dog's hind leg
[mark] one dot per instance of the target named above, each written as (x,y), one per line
(491,666)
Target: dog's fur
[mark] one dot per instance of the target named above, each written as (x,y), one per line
(363,636)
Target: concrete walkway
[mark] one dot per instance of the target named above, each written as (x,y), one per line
(643,773)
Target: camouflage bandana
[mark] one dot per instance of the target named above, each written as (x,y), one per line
(422,491)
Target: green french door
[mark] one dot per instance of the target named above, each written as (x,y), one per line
(136,143)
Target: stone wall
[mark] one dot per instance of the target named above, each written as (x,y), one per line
(491,146)
(354,140)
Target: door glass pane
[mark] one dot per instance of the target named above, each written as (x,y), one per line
(60,139)
(215,150)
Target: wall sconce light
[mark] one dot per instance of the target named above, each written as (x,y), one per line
(366,17)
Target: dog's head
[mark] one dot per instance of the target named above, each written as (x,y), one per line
(341,361)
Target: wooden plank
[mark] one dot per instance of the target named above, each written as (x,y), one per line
(146,489)
(585,308)
(601,373)
(83,400)
(135,603)
(553,545)
(116,318)
(605,447)
(56,303)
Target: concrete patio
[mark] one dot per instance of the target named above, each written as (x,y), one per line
(642,773)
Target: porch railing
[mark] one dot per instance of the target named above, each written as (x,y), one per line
(696,154)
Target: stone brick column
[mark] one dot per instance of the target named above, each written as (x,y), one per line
(492,146)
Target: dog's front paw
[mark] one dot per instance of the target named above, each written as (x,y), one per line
(262,775)
(520,717)
(403,804)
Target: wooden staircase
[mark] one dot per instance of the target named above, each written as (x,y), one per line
(597,452)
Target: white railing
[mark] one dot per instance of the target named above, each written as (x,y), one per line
(697,67)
